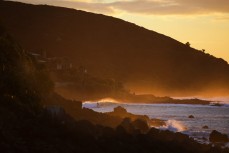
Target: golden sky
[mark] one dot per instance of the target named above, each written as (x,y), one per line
(204,23)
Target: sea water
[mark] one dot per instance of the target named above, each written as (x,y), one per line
(176,116)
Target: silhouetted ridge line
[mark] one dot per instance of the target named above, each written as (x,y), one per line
(145,61)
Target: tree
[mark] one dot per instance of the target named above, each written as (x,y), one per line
(188,44)
(20,76)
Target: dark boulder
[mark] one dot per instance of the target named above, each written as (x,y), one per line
(141,125)
(154,133)
(127,125)
(216,136)
(191,116)
(205,127)
(157,122)
(120,110)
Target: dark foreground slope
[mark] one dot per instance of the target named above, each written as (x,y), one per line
(112,48)
(26,127)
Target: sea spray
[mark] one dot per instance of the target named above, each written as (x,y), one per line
(89,104)
(175,126)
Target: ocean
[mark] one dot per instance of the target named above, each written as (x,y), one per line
(177,116)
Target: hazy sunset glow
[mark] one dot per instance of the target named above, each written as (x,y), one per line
(127,76)
(204,23)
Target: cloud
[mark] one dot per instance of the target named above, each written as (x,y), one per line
(153,7)
(97,6)
(173,7)
(88,6)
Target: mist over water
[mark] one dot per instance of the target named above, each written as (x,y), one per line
(177,116)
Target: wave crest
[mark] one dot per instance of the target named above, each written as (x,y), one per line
(175,126)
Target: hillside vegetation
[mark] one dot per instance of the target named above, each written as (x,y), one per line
(145,61)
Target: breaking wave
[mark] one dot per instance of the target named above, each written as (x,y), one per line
(175,126)
(99,104)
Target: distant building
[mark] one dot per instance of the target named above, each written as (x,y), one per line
(53,63)
(59,63)
(82,70)
(39,58)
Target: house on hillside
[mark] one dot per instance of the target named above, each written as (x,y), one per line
(59,63)
(38,57)
(53,63)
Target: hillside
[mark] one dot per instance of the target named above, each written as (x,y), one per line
(145,61)
(28,126)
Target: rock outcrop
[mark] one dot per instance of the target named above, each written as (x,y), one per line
(217,137)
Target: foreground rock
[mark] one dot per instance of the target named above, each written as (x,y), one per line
(157,122)
(217,137)
(122,113)
(191,116)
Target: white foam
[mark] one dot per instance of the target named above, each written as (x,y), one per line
(174,125)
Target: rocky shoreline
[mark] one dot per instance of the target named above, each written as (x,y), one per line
(60,131)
